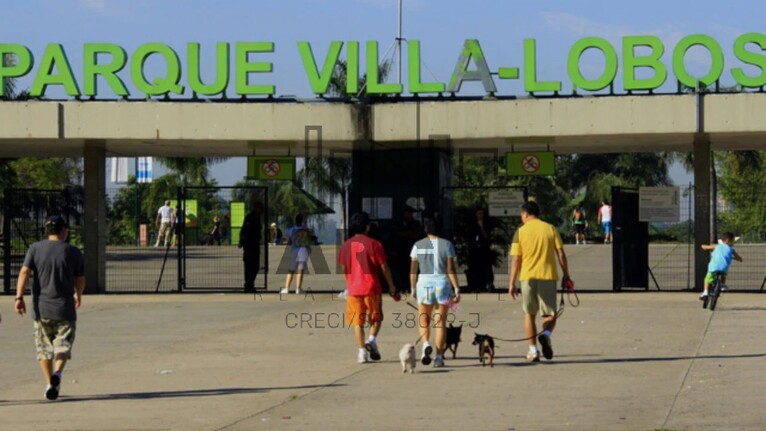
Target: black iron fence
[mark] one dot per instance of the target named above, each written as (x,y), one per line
(671,248)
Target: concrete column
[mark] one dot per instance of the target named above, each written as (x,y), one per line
(95,217)
(702,163)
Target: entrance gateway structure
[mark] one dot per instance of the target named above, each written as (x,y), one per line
(428,131)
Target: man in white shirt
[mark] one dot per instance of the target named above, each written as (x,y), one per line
(605,218)
(163,222)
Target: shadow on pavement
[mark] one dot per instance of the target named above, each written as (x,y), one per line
(169,394)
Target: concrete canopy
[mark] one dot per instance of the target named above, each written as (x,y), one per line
(644,123)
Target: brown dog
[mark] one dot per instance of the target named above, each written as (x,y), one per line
(486,347)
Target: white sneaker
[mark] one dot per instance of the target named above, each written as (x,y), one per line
(284,291)
(343,294)
(533,356)
(724,287)
(298,291)
(703,295)
(438,361)
(362,357)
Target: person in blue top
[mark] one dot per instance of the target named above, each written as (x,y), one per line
(433,283)
(720,259)
(299,240)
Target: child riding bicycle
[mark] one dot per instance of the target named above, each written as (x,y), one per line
(720,259)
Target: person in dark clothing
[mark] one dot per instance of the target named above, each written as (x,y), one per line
(215,234)
(408,232)
(250,243)
(57,288)
(480,259)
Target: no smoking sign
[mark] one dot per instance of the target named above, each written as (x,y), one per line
(271,168)
(531,163)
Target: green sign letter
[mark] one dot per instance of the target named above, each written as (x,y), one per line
(221,70)
(161,86)
(373,84)
(471,50)
(319,82)
(651,61)
(413,63)
(753,58)
(610,69)
(352,67)
(24,61)
(108,71)
(531,84)
(54,56)
(716,57)
(244,68)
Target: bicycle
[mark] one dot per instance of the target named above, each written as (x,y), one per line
(714,291)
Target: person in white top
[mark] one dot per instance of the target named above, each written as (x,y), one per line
(163,222)
(605,218)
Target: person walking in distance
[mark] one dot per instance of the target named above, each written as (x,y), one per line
(480,258)
(535,248)
(56,295)
(579,224)
(164,223)
(299,240)
(250,243)
(605,218)
(215,234)
(364,260)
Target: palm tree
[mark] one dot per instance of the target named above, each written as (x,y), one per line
(332,176)
(191,170)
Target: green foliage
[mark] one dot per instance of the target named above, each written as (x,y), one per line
(285,200)
(43,173)
(741,187)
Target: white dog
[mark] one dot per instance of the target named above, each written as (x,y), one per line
(407,357)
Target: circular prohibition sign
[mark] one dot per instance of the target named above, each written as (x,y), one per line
(271,168)
(530,163)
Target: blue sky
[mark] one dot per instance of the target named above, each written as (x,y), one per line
(441,26)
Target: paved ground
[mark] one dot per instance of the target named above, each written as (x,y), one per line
(628,361)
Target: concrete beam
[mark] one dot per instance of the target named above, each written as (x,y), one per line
(565,125)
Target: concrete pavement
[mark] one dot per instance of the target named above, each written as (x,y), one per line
(627,361)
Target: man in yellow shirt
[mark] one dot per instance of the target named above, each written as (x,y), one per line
(535,248)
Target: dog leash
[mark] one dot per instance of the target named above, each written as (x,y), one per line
(567,287)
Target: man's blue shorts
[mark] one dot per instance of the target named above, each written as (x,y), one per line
(607,226)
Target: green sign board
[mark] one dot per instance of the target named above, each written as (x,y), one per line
(237,214)
(531,163)
(271,168)
(190,205)
(644,61)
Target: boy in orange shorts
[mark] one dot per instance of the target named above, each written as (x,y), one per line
(363,260)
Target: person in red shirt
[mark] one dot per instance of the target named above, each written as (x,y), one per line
(364,260)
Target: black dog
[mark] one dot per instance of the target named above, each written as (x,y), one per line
(486,347)
(453,338)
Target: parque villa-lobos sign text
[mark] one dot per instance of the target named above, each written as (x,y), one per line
(639,53)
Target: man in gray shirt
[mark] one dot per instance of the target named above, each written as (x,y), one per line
(56,294)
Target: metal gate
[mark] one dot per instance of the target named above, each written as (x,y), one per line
(209,258)
(482,262)
(24,214)
(630,245)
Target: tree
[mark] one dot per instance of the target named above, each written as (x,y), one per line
(332,176)
(742,182)
(193,171)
